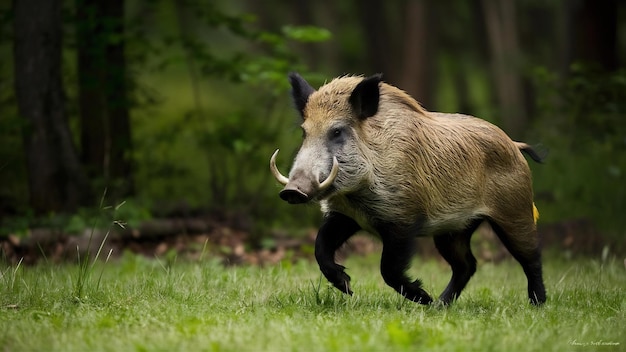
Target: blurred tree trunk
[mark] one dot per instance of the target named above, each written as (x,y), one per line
(501,24)
(103,101)
(92,102)
(117,97)
(330,57)
(416,77)
(379,39)
(594,30)
(303,12)
(184,21)
(56,180)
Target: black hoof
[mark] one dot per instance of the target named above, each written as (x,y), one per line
(343,284)
(416,294)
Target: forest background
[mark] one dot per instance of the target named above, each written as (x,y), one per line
(174,106)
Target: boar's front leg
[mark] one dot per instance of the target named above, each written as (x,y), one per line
(396,258)
(335,231)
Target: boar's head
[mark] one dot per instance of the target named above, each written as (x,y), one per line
(332,158)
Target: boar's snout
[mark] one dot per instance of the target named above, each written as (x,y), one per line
(293,195)
(301,187)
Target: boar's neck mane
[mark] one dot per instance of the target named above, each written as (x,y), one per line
(396,97)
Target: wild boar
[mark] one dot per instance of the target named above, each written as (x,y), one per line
(377,161)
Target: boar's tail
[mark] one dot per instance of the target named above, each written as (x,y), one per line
(536,153)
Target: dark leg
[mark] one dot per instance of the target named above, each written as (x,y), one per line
(455,249)
(335,231)
(396,258)
(525,249)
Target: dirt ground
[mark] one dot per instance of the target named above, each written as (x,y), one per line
(205,237)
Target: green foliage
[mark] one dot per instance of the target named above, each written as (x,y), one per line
(222,110)
(217,158)
(212,152)
(202,305)
(83,219)
(219,45)
(307,34)
(208,92)
(581,123)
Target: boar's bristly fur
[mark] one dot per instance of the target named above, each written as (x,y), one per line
(406,172)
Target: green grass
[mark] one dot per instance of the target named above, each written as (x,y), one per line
(152,305)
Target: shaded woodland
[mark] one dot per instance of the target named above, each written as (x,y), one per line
(173,107)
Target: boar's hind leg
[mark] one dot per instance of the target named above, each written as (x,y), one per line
(524,246)
(455,249)
(396,258)
(335,231)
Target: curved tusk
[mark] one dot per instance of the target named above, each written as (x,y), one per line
(331,178)
(279,177)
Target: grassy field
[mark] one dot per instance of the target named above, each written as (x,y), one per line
(154,305)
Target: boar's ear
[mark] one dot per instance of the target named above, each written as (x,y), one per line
(300,91)
(365,96)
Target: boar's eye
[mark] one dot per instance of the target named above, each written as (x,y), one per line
(336,134)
